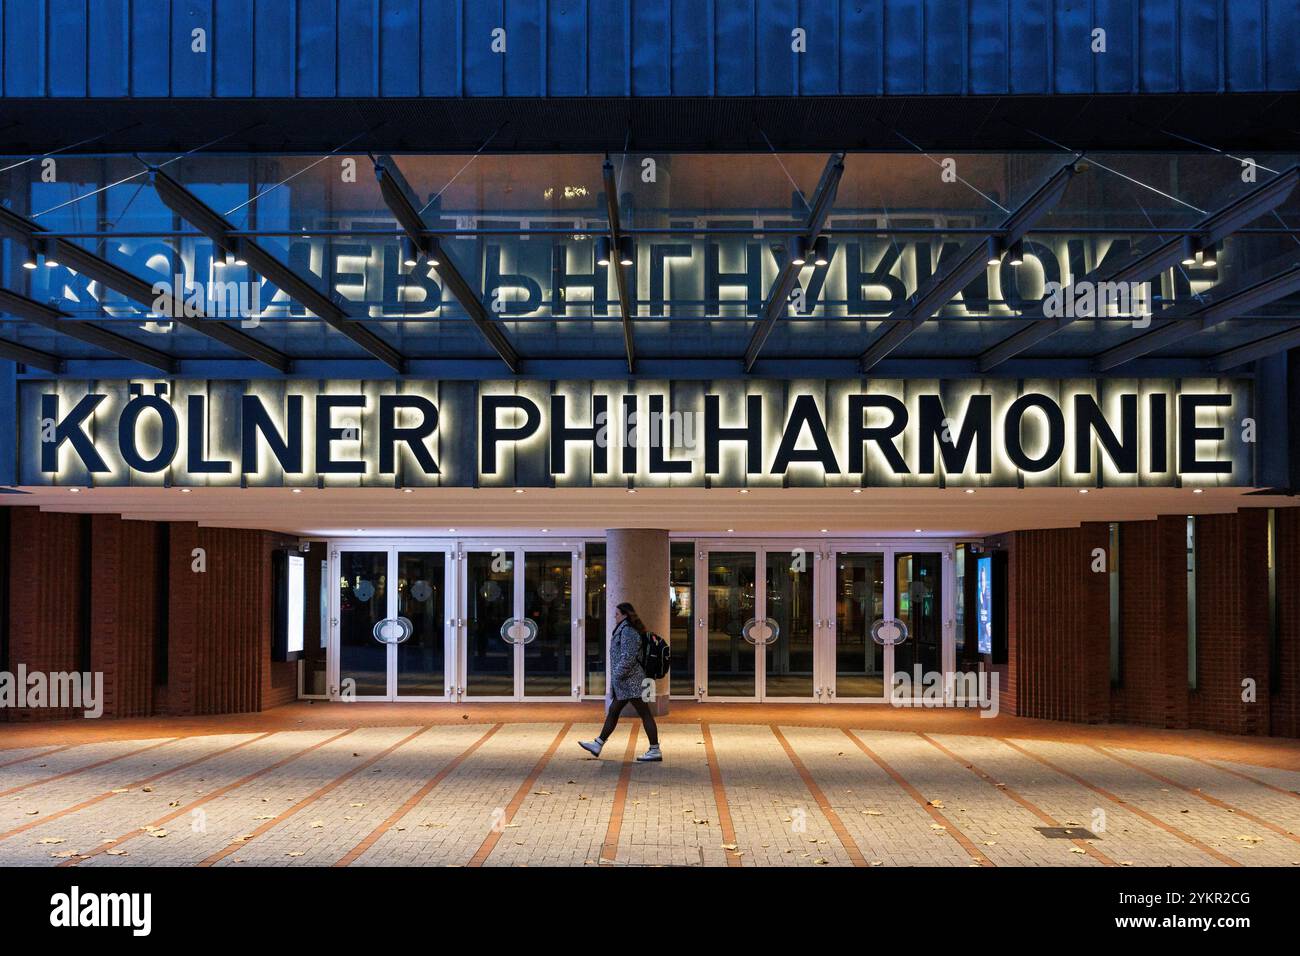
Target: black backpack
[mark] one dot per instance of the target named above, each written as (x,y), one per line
(656,658)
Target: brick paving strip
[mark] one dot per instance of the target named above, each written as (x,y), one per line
(949,827)
(490,841)
(43,753)
(181,811)
(1235,773)
(90,766)
(1213,801)
(1006,790)
(373,837)
(609,851)
(720,797)
(309,799)
(1132,808)
(833,818)
(108,794)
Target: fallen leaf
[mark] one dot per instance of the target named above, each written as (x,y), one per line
(50,840)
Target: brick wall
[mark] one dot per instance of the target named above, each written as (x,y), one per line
(124,594)
(74,576)
(47,604)
(1285,701)
(1058,624)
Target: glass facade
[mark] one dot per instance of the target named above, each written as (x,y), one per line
(711,233)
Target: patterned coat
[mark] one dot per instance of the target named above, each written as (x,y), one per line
(625,670)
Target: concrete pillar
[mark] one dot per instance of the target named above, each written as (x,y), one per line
(636,571)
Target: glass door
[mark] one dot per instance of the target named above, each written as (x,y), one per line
(857,599)
(919,596)
(789,654)
(729,621)
(362,606)
(520,626)
(390,627)
(759,621)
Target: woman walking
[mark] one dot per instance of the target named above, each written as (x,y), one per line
(627,683)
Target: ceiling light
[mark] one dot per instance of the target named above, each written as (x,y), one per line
(821,251)
(857,491)
(799,250)
(824,531)
(451,529)
(433,253)
(970,491)
(1191,245)
(1209,255)
(994,249)
(75,491)
(297,491)
(1017,253)
(230,258)
(744,491)
(544,530)
(47,251)
(1198,491)
(602,250)
(29,260)
(916,530)
(407,491)
(626,251)
(519,491)
(1083,491)
(731,531)
(631,491)
(410,254)
(185,491)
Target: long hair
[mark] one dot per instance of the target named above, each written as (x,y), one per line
(632,617)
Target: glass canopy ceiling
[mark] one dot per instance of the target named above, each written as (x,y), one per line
(255,265)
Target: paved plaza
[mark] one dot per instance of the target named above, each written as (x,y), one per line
(521,793)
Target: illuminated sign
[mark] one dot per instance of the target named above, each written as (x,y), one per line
(545,275)
(686,433)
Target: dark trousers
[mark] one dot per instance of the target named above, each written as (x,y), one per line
(643,711)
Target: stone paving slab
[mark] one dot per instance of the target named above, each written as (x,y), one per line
(1235,838)
(524,794)
(326,830)
(889,827)
(1124,836)
(670,817)
(777,821)
(1001,829)
(81,758)
(449,825)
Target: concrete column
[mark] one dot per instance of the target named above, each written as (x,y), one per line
(636,571)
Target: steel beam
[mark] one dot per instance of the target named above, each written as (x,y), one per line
(1145,264)
(211,223)
(779,298)
(1267,284)
(56,320)
(625,297)
(942,287)
(13,352)
(396,195)
(87,263)
(1260,348)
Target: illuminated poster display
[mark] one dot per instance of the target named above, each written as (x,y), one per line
(984,603)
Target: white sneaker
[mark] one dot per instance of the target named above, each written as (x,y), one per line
(652,755)
(592,747)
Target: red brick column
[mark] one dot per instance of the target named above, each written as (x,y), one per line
(46,603)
